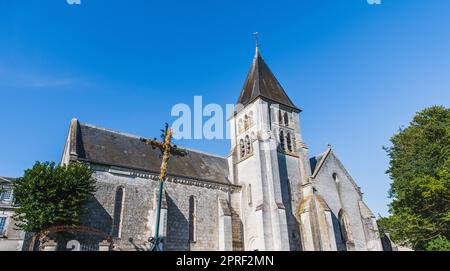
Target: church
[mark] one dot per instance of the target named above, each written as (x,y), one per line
(267,194)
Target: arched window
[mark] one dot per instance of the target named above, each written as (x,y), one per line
(242,148)
(282,146)
(289,142)
(335,177)
(280,117)
(250,118)
(192,219)
(118,213)
(286,119)
(248,145)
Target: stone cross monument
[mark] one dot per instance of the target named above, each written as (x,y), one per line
(167,149)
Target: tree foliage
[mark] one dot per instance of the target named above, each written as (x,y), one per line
(49,195)
(420,191)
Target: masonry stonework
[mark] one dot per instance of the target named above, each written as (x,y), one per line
(267,194)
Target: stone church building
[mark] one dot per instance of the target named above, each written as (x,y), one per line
(267,194)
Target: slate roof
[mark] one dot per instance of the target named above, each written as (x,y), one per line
(107,147)
(317,161)
(261,82)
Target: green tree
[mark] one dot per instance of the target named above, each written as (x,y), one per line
(420,191)
(50,195)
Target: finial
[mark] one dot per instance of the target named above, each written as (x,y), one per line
(255,34)
(329,146)
(257,43)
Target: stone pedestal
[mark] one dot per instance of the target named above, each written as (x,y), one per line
(49,246)
(104,246)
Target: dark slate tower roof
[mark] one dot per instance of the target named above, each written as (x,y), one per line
(262,83)
(106,147)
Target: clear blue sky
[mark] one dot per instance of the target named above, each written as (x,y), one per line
(358,71)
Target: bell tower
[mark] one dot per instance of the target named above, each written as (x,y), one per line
(268,159)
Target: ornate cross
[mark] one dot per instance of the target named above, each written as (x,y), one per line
(167,149)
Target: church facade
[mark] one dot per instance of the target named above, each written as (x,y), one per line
(267,194)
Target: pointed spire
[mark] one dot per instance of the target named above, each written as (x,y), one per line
(262,83)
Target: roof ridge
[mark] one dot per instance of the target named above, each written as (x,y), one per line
(7,179)
(321,162)
(110,130)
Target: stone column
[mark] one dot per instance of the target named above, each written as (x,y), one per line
(332,236)
(225,229)
(236,222)
(375,243)
(307,232)
(304,212)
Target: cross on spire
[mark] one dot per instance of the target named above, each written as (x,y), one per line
(255,34)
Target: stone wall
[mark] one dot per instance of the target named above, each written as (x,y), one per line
(13,238)
(138,208)
(236,222)
(290,178)
(342,194)
(139,200)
